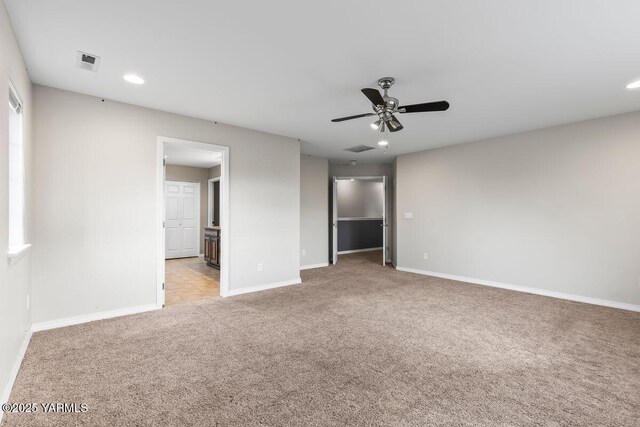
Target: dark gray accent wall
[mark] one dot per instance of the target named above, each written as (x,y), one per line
(360,234)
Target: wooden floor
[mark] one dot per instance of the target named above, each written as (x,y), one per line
(190,279)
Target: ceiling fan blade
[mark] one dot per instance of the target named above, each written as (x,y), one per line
(374,96)
(428,106)
(342,119)
(394,125)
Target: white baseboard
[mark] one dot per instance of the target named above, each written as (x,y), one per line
(75,320)
(359,250)
(307,267)
(14,370)
(536,291)
(259,288)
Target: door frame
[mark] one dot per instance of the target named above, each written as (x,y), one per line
(225,253)
(385,212)
(197,197)
(334,222)
(385,222)
(210,200)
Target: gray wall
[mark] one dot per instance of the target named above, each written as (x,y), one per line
(314,210)
(359,170)
(15,279)
(556,209)
(96,203)
(214,172)
(360,199)
(192,174)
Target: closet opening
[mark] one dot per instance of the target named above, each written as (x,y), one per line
(359,219)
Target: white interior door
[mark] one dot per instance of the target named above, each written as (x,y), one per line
(182,219)
(385,226)
(335,222)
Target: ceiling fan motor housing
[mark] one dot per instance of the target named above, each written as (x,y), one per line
(392,103)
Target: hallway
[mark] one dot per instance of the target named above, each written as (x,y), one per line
(190,279)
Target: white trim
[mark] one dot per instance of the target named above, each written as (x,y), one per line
(84,318)
(15,369)
(16,252)
(334,221)
(259,288)
(526,289)
(385,225)
(310,266)
(355,251)
(224,212)
(161,207)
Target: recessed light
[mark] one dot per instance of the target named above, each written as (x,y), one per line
(383,142)
(634,85)
(132,78)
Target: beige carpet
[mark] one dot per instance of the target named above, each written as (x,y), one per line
(355,344)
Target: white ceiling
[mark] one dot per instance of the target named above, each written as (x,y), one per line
(290,66)
(191,157)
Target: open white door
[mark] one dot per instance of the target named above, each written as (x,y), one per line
(334,258)
(385,226)
(182,218)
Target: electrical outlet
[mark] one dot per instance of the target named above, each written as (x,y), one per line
(424,255)
(408,215)
(260,267)
(304,252)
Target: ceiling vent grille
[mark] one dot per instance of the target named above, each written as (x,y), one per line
(87,61)
(359,148)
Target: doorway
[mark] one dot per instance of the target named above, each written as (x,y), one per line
(360,218)
(191,214)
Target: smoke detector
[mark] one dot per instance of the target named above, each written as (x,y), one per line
(87,61)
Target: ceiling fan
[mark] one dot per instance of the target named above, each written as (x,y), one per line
(385,106)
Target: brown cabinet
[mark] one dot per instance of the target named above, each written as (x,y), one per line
(212,246)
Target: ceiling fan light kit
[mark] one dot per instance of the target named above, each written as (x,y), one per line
(385,107)
(378,125)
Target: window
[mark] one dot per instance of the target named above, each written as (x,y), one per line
(17,244)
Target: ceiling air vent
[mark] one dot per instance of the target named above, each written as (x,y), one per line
(87,61)
(359,148)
